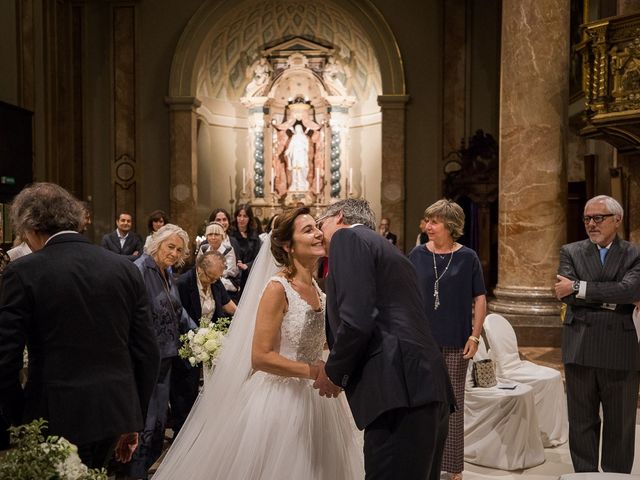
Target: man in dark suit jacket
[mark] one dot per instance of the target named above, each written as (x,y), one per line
(382,350)
(383,228)
(194,286)
(123,240)
(599,279)
(82,312)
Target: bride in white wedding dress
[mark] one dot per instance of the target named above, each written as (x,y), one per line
(258,416)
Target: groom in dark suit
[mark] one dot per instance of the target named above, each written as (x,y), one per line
(83,313)
(382,351)
(599,279)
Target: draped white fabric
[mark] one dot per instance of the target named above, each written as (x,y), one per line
(500,425)
(548,389)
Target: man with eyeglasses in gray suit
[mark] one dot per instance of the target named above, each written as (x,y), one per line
(599,280)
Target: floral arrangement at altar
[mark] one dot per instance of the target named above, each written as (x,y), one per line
(203,344)
(36,457)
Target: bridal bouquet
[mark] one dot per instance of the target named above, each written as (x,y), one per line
(202,345)
(34,457)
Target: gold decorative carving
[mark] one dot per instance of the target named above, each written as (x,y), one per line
(611,81)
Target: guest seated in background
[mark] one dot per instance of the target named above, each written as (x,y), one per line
(422,236)
(383,229)
(203,296)
(123,240)
(168,247)
(451,282)
(84,315)
(221,216)
(216,237)
(246,237)
(157,220)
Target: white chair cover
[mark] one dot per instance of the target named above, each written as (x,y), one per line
(548,389)
(500,426)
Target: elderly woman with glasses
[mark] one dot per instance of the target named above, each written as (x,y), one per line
(217,241)
(450,277)
(203,296)
(167,248)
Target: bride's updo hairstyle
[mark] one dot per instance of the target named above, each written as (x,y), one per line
(282,236)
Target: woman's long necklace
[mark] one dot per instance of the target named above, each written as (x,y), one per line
(436,284)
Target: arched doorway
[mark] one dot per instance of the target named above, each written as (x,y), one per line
(212,70)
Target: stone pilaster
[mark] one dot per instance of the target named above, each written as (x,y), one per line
(183,162)
(533,182)
(124,171)
(393,162)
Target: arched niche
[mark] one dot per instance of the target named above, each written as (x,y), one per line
(207,35)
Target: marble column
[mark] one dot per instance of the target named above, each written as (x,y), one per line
(533,182)
(393,149)
(183,194)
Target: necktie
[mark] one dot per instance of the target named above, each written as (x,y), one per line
(603,254)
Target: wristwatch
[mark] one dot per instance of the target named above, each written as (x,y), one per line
(576,286)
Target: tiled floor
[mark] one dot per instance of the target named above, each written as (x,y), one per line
(557,462)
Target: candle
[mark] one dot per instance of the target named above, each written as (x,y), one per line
(350,189)
(244,181)
(273,179)
(317,180)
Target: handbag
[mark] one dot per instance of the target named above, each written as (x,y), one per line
(484,373)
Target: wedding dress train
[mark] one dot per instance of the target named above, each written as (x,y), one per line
(249,425)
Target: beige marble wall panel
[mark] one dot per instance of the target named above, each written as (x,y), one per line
(393,145)
(534,98)
(454,71)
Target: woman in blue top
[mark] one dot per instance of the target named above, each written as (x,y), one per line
(167,248)
(451,281)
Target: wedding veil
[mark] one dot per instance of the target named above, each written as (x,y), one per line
(215,411)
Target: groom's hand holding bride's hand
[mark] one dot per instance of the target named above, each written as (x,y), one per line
(325,386)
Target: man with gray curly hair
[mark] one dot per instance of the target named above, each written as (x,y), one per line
(382,352)
(82,311)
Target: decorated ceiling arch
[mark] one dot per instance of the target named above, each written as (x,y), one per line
(251,27)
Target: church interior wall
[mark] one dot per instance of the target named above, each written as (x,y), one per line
(8,54)
(418,31)
(484,68)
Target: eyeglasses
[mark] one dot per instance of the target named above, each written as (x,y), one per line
(597,219)
(321,219)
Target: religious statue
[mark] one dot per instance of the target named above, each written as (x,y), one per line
(261,72)
(297,154)
(298,151)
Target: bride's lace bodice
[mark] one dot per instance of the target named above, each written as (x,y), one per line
(302,335)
